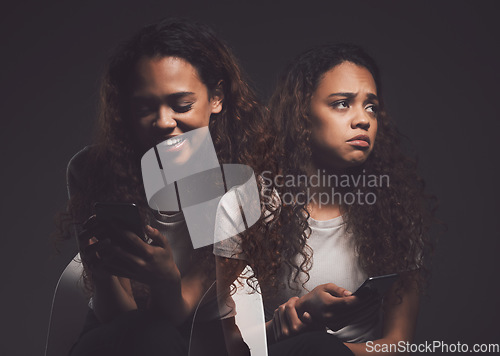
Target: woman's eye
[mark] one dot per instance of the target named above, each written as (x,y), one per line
(182,108)
(341,104)
(372,109)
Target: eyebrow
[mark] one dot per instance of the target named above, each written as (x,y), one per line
(172,96)
(179,94)
(369,96)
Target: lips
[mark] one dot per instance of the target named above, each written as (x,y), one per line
(362,141)
(172,144)
(173,141)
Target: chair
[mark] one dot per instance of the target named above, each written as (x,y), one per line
(69,308)
(250,317)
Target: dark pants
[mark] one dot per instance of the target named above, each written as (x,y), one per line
(141,333)
(313,343)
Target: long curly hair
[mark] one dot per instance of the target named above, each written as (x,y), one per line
(112,170)
(390,235)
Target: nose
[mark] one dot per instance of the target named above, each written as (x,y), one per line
(165,119)
(360,120)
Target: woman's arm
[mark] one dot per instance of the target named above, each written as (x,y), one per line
(174,296)
(399,323)
(153,264)
(287,322)
(178,297)
(326,305)
(112,295)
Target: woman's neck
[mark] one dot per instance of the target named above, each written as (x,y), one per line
(324,201)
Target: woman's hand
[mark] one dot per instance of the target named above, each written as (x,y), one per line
(89,247)
(287,321)
(123,253)
(333,306)
(112,295)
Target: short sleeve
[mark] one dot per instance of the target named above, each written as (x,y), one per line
(228,244)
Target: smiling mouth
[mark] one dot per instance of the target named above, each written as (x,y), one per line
(173,141)
(172,144)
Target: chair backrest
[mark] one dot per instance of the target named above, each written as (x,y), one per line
(70,306)
(250,317)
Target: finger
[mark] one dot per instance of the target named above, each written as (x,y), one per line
(285,328)
(348,314)
(336,291)
(157,238)
(88,228)
(335,305)
(90,254)
(94,247)
(83,239)
(86,234)
(98,231)
(116,270)
(351,301)
(294,324)
(128,238)
(100,247)
(116,260)
(135,241)
(306,318)
(122,259)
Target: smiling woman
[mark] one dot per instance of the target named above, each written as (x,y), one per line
(170,78)
(168,99)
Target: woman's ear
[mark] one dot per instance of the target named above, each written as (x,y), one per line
(217,98)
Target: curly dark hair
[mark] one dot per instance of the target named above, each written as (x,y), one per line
(112,166)
(390,236)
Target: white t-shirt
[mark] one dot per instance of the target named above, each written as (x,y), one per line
(334,260)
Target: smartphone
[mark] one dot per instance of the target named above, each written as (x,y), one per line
(378,285)
(125,214)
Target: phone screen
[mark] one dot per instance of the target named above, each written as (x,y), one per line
(378,285)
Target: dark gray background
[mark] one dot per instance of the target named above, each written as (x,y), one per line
(440,71)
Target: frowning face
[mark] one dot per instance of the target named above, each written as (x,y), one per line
(344,116)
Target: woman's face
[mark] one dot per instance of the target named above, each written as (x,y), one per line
(168,99)
(344,116)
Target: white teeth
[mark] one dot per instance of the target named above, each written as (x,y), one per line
(173,141)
